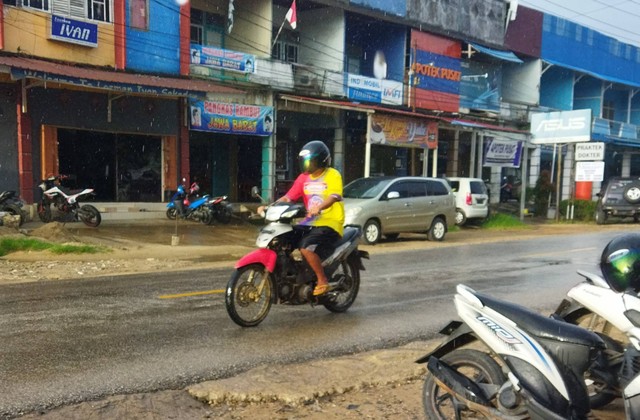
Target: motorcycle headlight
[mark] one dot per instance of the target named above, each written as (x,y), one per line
(289,214)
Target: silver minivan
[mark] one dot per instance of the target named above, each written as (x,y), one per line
(392,205)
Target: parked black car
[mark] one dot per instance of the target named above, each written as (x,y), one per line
(619,197)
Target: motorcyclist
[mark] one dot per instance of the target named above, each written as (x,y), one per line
(320,187)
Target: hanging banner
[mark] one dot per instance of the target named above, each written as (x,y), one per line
(221,117)
(222,59)
(402,131)
(503,153)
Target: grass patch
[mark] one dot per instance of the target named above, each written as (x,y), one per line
(504,221)
(9,245)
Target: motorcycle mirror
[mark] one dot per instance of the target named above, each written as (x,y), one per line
(255,192)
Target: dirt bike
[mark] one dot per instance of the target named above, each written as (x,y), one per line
(11,203)
(277,273)
(65,202)
(531,367)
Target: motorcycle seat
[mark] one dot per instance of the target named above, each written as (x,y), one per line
(349,233)
(542,326)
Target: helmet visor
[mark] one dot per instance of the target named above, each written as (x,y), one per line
(620,269)
(306,161)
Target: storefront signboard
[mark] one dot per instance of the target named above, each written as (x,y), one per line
(219,117)
(503,153)
(403,131)
(74,31)
(561,127)
(435,72)
(18,74)
(222,59)
(368,89)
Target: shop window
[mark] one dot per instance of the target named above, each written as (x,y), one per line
(99,10)
(207,28)
(139,14)
(10,2)
(608,110)
(37,4)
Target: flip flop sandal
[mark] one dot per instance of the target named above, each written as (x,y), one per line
(321,289)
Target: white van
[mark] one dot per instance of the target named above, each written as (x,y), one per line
(472,199)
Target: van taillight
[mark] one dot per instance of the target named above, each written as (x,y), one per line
(469,201)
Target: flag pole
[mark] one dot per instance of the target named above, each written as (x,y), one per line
(278,34)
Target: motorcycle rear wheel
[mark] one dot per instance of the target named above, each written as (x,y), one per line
(341,298)
(90,215)
(207,216)
(477,366)
(248,295)
(223,216)
(16,211)
(44,212)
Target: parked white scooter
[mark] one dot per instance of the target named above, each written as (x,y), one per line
(593,304)
(541,369)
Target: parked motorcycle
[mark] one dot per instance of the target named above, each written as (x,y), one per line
(220,209)
(277,273)
(187,204)
(66,202)
(537,371)
(594,305)
(12,204)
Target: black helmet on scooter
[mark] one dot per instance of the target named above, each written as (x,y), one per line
(620,262)
(313,156)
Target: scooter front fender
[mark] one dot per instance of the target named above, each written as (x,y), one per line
(459,334)
(262,256)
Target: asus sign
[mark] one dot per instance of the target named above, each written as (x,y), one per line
(561,127)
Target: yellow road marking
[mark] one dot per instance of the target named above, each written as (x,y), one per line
(542,254)
(180,295)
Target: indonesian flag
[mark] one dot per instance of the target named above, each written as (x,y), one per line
(291,15)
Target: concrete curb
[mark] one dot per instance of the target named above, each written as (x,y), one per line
(301,383)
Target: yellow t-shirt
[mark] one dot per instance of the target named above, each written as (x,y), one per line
(316,191)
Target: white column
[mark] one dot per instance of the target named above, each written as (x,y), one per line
(567,169)
(626,164)
(472,157)
(367,148)
(494,185)
(480,145)
(535,158)
(338,149)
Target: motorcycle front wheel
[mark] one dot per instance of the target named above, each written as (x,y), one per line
(171,213)
(44,212)
(248,295)
(206,216)
(16,211)
(342,297)
(90,215)
(477,366)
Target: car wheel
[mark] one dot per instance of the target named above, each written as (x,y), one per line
(632,193)
(601,216)
(437,230)
(371,232)
(461,218)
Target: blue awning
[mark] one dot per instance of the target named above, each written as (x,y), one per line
(606,78)
(502,55)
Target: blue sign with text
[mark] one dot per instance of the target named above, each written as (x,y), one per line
(74,31)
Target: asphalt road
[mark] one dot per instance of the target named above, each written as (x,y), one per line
(70,341)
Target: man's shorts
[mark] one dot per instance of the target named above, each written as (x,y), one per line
(320,240)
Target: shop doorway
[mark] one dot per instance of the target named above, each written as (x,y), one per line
(120,167)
